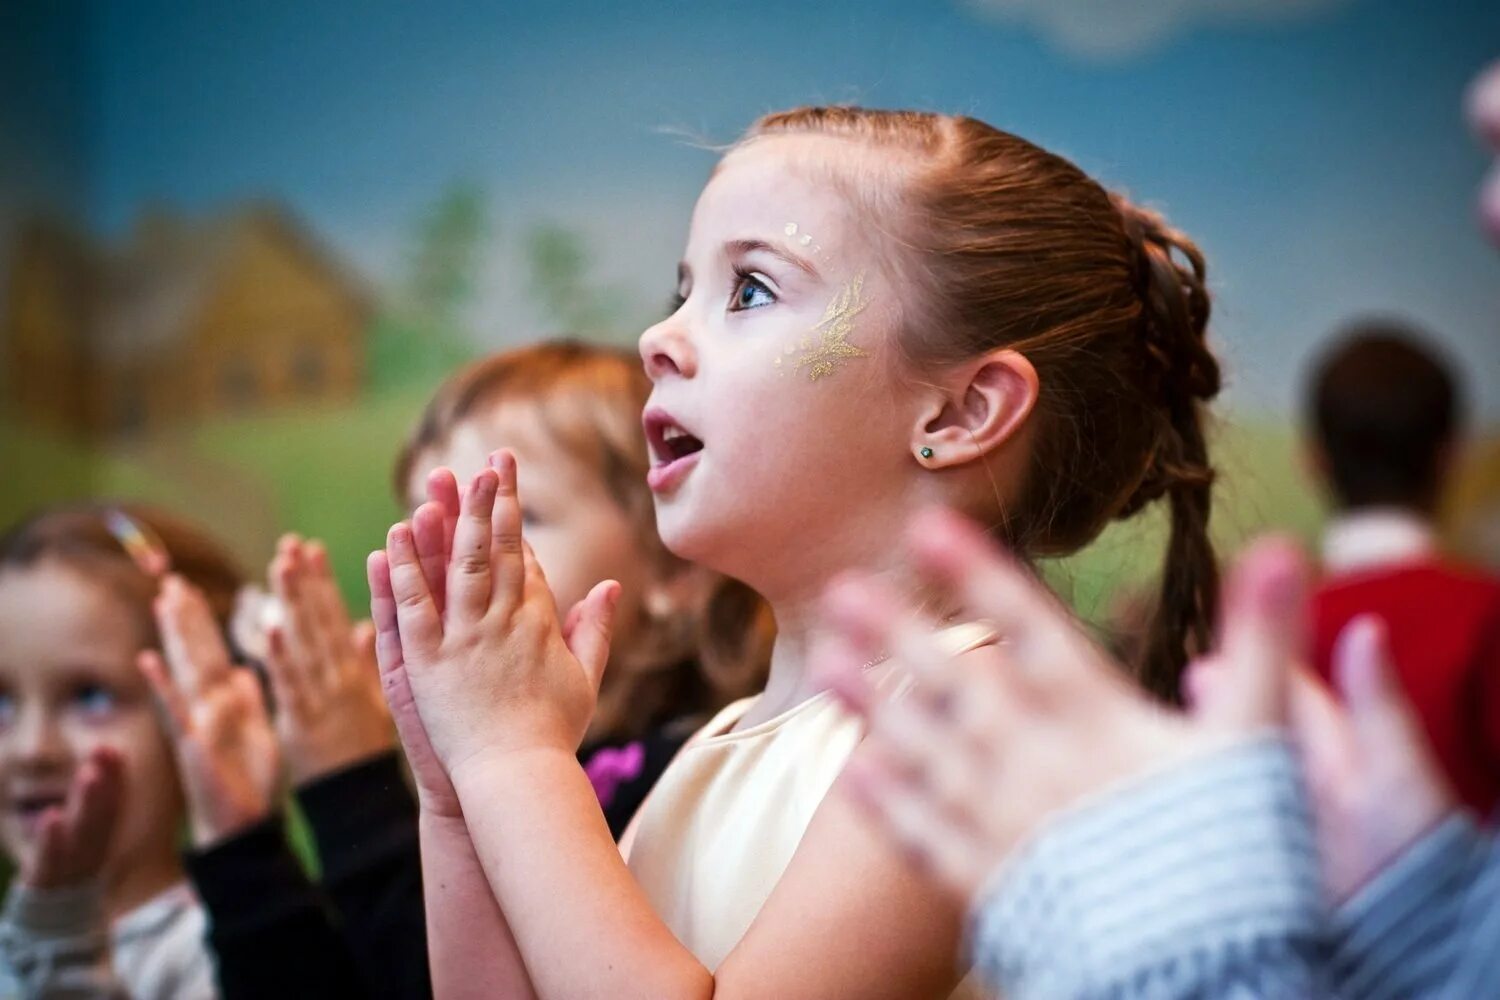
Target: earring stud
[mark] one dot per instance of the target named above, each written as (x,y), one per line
(926,452)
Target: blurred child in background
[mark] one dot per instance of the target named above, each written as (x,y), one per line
(93,805)
(687,642)
(1385,414)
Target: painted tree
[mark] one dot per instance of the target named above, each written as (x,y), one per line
(420,336)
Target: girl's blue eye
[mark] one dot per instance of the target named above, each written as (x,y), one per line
(94,699)
(750,293)
(7,708)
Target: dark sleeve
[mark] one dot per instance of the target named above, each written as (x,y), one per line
(270,929)
(364,820)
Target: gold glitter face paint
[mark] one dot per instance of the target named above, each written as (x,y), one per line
(827,346)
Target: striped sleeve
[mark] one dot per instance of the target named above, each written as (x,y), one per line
(1477,963)
(1198,881)
(1427,926)
(55,943)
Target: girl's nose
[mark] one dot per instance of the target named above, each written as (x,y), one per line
(37,741)
(666,350)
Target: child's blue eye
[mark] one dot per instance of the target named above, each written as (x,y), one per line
(750,293)
(7,708)
(94,699)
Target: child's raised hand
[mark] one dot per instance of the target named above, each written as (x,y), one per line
(489,667)
(1375,783)
(988,744)
(216,717)
(329,709)
(73,839)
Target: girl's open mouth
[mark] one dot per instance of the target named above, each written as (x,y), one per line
(674,449)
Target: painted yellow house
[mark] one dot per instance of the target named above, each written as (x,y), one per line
(240,313)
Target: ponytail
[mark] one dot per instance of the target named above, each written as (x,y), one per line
(1183,376)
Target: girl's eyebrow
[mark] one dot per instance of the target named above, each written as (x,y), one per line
(736,248)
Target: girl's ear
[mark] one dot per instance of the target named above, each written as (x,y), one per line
(981,408)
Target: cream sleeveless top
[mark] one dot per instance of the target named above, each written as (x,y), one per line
(720,826)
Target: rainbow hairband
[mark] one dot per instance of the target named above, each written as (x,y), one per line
(141,544)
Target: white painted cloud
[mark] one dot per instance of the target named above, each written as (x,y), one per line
(1115,30)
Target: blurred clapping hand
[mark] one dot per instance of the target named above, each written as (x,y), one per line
(986,747)
(330,713)
(216,717)
(1483,106)
(73,839)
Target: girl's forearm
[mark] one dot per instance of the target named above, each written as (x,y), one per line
(470,948)
(583,924)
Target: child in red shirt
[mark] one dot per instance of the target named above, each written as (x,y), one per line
(1384,419)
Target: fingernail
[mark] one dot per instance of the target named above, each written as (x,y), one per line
(400,535)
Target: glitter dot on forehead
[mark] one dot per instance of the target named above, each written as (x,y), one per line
(790,229)
(804,239)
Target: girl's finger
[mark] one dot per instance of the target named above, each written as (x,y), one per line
(590,636)
(326,620)
(1381,718)
(383,612)
(1264,632)
(1203,687)
(51,848)
(926,837)
(173,704)
(844,612)
(434,542)
(99,802)
(287,682)
(362,639)
(1323,732)
(442,489)
(191,641)
(980,701)
(417,620)
(913,740)
(300,634)
(873,617)
(839,668)
(1043,638)
(1362,668)
(251,694)
(469,580)
(509,560)
(332,613)
(86,776)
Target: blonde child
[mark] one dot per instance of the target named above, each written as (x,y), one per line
(879,311)
(686,642)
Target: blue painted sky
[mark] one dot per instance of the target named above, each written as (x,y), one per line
(1316,152)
